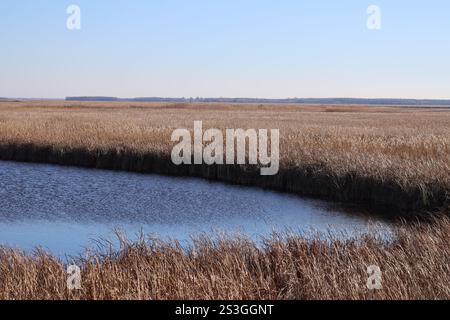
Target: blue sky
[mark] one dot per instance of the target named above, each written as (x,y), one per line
(225,48)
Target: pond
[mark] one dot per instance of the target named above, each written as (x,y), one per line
(65,209)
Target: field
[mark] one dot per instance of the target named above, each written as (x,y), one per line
(393,160)
(387,157)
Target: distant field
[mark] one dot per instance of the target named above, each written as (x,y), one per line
(394,156)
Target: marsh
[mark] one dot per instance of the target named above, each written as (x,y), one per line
(65,209)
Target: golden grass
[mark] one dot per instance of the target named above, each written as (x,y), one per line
(416,265)
(391,155)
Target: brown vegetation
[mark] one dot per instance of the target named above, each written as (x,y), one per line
(416,265)
(392,156)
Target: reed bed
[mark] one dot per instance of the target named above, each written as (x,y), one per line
(415,265)
(389,156)
(395,157)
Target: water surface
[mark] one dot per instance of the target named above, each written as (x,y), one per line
(63,209)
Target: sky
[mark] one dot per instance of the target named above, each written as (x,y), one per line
(225,48)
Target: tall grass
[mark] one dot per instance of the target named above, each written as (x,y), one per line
(416,265)
(391,156)
(376,155)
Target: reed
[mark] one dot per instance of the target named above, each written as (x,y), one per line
(415,265)
(376,156)
(394,157)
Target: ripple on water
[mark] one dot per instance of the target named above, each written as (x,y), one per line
(64,208)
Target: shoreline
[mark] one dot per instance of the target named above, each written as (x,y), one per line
(380,196)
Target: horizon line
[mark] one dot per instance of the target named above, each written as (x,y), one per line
(217,98)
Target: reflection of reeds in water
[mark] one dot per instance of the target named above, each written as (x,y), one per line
(414,266)
(397,157)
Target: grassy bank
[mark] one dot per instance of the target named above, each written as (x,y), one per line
(414,266)
(377,156)
(387,197)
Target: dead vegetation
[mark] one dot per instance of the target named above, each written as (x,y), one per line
(414,266)
(393,156)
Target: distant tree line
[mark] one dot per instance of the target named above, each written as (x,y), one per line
(401,102)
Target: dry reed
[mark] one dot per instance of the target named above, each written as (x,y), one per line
(392,156)
(414,266)
(376,155)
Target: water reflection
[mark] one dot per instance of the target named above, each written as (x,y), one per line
(64,208)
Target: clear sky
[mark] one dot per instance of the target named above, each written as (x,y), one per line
(225,48)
